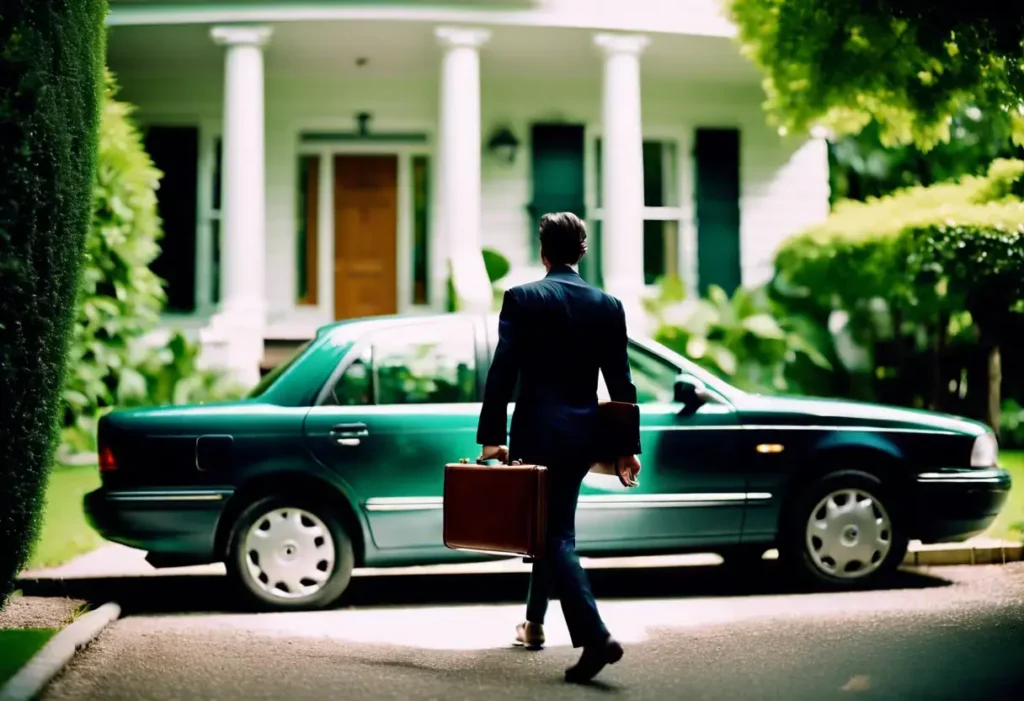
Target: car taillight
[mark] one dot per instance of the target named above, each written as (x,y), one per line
(107,461)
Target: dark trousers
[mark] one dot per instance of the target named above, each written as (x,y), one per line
(559,571)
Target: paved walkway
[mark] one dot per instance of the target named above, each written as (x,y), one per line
(960,636)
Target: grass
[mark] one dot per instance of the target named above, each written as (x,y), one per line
(17,647)
(65,533)
(1010,523)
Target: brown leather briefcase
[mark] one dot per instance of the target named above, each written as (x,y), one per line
(499,510)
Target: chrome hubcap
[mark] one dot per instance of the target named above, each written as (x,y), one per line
(289,553)
(848,534)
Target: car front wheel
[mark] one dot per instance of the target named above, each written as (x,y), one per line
(290,553)
(845,531)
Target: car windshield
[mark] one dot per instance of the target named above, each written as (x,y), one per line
(271,377)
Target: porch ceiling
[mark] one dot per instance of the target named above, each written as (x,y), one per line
(408,49)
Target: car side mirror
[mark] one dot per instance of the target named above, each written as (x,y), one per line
(690,392)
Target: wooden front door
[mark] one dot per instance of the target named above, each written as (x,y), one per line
(365,236)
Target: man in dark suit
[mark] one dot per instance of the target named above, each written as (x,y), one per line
(554,336)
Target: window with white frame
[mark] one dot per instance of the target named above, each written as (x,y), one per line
(214,215)
(662,211)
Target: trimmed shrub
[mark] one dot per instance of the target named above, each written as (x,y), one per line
(113,360)
(940,261)
(51,62)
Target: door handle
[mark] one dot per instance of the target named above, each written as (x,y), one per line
(349,435)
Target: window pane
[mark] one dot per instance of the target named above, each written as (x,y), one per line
(215,260)
(661,188)
(426,364)
(654,194)
(215,227)
(218,156)
(661,250)
(355,386)
(307,209)
(420,221)
(175,152)
(654,378)
(590,266)
(669,174)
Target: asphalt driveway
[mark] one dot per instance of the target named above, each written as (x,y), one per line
(690,632)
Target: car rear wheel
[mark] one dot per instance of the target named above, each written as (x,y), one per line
(290,553)
(845,531)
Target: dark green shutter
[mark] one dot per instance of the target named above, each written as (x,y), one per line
(717,156)
(175,151)
(558,176)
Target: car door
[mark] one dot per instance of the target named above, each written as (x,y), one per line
(691,488)
(405,403)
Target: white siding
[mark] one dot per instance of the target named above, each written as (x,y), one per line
(784,181)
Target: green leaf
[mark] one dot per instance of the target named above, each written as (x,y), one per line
(763,326)
(132,387)
(696,347)
(724,358)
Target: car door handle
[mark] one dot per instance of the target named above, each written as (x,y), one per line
(349,435)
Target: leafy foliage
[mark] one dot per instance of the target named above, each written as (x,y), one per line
(921,248)
(910,65)
(925,255)
(1012,424)
(114,361)
(51,66)
(861,167)
(497,265)
(749,339)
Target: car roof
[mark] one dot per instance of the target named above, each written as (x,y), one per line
(387,319)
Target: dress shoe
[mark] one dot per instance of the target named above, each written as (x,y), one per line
(593,660)
(530,635)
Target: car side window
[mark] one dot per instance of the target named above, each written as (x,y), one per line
(431,363)
(654,377)
(355,386)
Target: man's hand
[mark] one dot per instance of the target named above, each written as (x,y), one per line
(628,469)
(495,452)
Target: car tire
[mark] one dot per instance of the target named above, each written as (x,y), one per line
(832,525)
(303,562)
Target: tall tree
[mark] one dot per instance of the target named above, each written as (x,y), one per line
(860,166)
(51,70)
(911,66)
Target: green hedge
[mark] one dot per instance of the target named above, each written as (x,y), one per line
(942,259)
(51,62)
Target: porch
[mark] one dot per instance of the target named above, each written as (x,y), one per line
(359,157)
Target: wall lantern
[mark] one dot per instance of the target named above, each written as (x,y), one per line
(503,145)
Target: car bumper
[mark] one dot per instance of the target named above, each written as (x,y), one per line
(169,522)
(956,504)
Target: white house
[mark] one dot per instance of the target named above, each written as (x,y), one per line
(327,160)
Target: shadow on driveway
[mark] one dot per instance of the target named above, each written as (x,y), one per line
(170,593)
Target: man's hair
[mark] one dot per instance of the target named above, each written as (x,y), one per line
(563,238)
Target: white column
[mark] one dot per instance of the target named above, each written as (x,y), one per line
(459,137)
(240,324)
(622,173)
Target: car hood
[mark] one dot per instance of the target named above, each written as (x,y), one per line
(782,410)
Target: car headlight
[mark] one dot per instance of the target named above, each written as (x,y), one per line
(985,452)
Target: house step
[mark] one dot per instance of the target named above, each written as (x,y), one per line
(278,350)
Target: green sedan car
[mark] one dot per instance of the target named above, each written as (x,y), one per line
(335,461)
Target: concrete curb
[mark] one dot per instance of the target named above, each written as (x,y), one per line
(56,654)
(965,554)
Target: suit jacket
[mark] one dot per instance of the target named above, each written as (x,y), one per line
(554,335)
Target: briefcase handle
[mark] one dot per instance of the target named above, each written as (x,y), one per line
(492,462)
